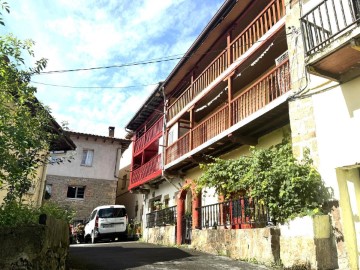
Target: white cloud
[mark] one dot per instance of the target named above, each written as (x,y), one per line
(91,33)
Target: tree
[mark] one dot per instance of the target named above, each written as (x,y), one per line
(25,131)
(287,187)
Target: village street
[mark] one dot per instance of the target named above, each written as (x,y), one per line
(138,255)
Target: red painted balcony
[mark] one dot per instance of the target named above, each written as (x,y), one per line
(261,93)
(269,16)
(148,137)
(146,172)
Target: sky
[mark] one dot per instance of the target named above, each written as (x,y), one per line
(81,34)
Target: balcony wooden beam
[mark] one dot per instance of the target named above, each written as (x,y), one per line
(201,159)
(244,140)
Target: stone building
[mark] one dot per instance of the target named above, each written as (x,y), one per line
(90,178)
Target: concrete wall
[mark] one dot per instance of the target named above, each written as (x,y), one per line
(35,247)
(104,160)
(97,192)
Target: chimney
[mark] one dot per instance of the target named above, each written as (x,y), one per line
(111,132)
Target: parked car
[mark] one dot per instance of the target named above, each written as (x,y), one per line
(106,222)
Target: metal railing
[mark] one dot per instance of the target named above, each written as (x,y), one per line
(242,213)
(326,20)
(162,217)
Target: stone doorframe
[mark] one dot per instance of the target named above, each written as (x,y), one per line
(189,184)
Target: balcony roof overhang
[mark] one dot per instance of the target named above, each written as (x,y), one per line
(246,132)
(221,22)
(147,109)
(340,63)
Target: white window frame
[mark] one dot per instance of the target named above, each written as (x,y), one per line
(87,157)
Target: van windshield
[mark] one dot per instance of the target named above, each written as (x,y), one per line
(112,212)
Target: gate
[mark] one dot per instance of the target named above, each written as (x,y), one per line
(186,229)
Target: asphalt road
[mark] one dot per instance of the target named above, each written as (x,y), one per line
(138,255)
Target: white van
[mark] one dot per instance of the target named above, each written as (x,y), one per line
(106,221)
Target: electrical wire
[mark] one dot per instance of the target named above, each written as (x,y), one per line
(94,87)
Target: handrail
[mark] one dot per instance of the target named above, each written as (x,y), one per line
(145,170)
(257,28)
(241,213)
(327,20)
(161,217)
(155,130)
(267,88)
(271,14)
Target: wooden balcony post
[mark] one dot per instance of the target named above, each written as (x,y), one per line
(165,142)
(191,144)
(192,85)
(228,47)
(229,100)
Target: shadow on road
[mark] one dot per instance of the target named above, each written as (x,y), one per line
(121,255)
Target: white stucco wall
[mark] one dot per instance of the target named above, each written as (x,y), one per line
(103,166)
(337,117)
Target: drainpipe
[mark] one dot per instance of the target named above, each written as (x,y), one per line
(165,142)
(117,161)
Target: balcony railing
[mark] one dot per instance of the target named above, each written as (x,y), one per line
(259,26)
(252,34)
(149,135)
(162,217)
(178,148)
(268,88)
(234,214)
(210,127)
(326,21)
(141,174)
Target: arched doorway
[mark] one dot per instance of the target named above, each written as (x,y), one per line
(187,215)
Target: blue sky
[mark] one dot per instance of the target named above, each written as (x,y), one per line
(75,34)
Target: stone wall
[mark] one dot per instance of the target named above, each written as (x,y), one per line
(35,247)
(307,242)
(261,245)
(97,192)
(164,235)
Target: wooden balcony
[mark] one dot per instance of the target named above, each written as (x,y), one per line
(153,133)
(146,172)
(269,16)
(265,90)
(332,39)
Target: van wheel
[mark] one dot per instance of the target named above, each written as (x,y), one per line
(93,239)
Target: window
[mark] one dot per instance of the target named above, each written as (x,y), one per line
(48,191)
(112,212)
(87,157)
(74,192)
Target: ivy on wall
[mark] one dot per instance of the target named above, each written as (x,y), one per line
(288,187)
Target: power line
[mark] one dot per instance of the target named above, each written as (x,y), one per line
(113,66)
(95,87)
(278,38)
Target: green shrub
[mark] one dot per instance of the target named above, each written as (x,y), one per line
(288,187)
(14,214)
(57,211)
